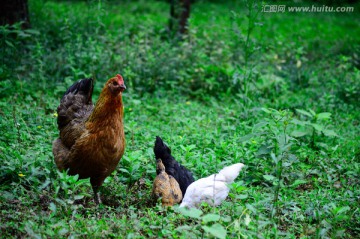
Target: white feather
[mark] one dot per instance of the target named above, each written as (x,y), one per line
(212,189)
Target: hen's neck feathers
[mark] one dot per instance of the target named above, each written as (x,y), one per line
(107,108)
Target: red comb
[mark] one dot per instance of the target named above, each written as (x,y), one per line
(121,80)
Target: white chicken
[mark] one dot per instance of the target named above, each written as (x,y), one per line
(212,189)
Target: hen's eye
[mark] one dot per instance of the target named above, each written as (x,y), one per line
(115,83)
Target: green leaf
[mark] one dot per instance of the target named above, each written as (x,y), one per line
(183,228)
(210,218)
(9,44)
(274,158)
(251,208)
(269,177)
(216,230)
(264,149)
(32,31)
(247,219)
(330,133)
(298,122)
(63,231)
(52,207)
(324,115)
(298,182)
(245,138)
(7,195)
(341,210)
(266,110)
(260,125)
(78,197)
(303,112)
(297,133)
(242,196)
(317,126)
(192,212)
(124,170)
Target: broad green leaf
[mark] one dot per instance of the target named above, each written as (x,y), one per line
(237,225)
(269,177)
(298,122)
(317,126)
(264,149)
(303,112)
(7,195)
(292,158)
(247,219)
(246,138)
(124,170)
(251,208)
(52,207)
(298,182)
(325,115)
(9,43)
(63,231)
(274,158)
(210,218)
(260,125)
(266,110)
(192,212)
(297,133)
(216,230)
(329,132)
(342,210)
(184,228)
(242,196)
(286,164)
(77,197)
(32,31)
(183,147)
(190,147)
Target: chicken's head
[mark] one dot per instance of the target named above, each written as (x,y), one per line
(116,85)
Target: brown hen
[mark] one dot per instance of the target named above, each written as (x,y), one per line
(166,187)
(92,139)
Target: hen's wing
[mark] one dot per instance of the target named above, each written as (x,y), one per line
(61,154)
(212,189)
(162,188)
(74,109)
(206,190)
(175,190)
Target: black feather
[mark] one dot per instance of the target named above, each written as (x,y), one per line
(182,175)
(84,87)
(70,106)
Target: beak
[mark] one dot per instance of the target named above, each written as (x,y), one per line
(122,86)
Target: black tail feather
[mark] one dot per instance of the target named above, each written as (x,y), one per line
(85,86)
(71,105)
(161,150)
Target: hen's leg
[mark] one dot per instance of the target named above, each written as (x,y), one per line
(96,194)
(96,182)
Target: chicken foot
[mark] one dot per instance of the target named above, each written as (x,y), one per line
(96,195)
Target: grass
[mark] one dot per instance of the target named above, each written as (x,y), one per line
(294,121)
